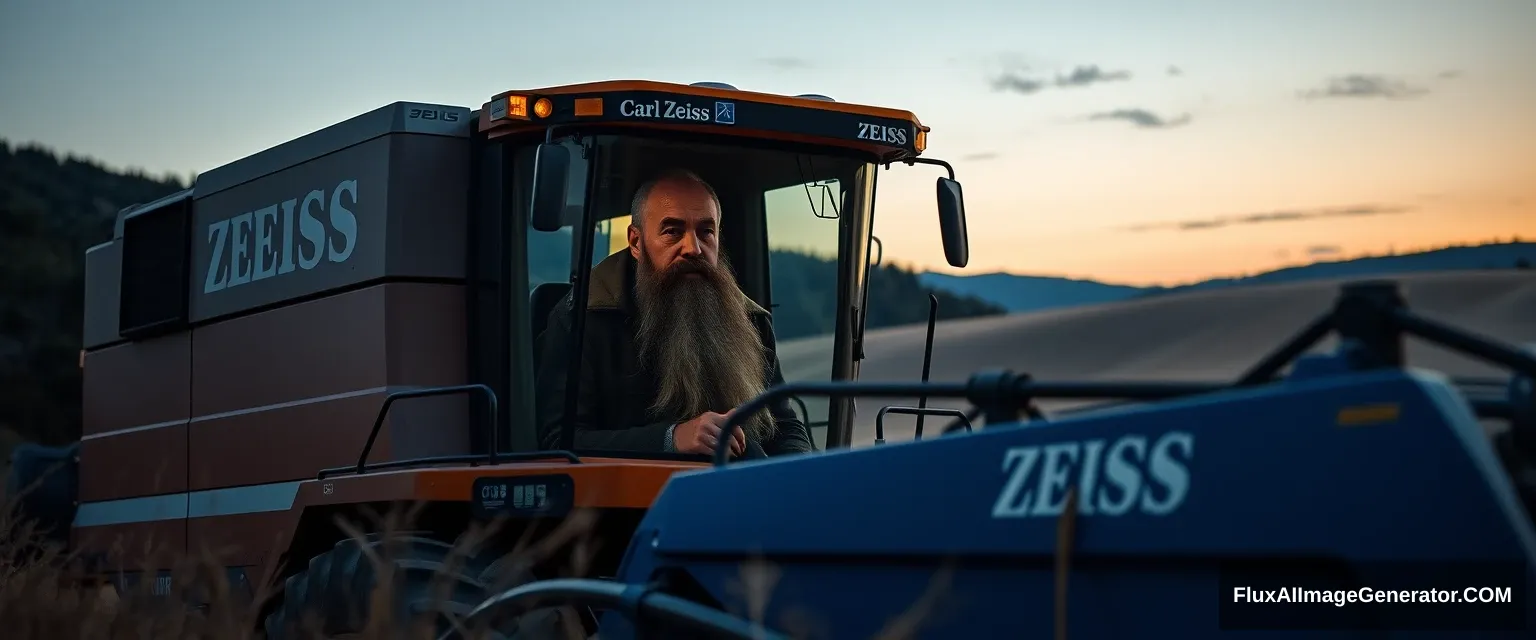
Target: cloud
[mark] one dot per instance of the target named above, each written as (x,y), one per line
(980,157)
(786,63)
(1359,85)
(1175,71)
(1323,250)
(1450,74)
(1084,76)
(1080,76)
(1017,84)
(1142,118)
(1272,216)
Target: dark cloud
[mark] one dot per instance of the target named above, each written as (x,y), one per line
(786,63)
(1142,118)
(1324,250)
(1081,76)
(1084,76)
(1450,74)
(1365,86)
(1175,71)
(1016,83)
(1273,216)
(980,157)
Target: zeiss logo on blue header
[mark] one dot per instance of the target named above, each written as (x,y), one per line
(725,113)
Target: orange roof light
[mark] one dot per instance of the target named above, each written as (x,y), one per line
(517,106)
(588,107)
(543,107)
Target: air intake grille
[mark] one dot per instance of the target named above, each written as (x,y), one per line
(155,268)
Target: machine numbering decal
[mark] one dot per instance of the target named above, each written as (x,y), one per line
(1113,478)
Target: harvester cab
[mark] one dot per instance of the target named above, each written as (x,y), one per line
(792,172)
(346,322)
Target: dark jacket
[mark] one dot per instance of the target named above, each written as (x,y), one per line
(616,392)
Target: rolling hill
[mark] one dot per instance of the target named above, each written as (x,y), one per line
(1214,334)
(1019,293)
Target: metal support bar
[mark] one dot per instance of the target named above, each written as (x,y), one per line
(1271,365)
(472,460)
(638,603)
(378,422)
(922,402)
(1466,342)
(981,390)
(957,414)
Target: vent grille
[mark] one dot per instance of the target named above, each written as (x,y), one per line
(155,269)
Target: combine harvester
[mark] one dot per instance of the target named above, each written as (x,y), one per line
(280,346)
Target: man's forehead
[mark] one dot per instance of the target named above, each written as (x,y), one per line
(680,203)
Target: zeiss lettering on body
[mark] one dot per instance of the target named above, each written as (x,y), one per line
(1113,478)
(261,244)
(879,133)
(665,110)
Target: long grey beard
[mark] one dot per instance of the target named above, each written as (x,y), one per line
(698,339)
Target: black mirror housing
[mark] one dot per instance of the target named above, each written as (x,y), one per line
(952,227)
(551,178)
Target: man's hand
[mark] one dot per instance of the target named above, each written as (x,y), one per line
(702,434)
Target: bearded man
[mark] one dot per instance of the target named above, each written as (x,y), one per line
(672,344)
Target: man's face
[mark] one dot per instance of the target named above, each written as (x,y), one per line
(681,223)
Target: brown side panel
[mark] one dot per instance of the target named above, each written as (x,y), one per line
(134,547)
(281,394)
(244,540)
(136,463)
(136,403)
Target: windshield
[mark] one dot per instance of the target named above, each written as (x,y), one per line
(784,216)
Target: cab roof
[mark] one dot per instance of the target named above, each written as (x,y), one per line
(712,108)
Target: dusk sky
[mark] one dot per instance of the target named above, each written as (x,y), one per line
(1130,141)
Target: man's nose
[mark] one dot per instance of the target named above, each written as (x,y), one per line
(691,245)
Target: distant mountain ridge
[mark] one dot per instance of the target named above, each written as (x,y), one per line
(1022,293)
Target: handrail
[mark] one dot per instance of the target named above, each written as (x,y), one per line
(378,422)
(958,415)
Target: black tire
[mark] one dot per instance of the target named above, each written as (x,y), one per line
(332,595)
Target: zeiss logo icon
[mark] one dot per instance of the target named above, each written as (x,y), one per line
(725,113)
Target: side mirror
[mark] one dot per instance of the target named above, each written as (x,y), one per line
(952,223)
(551,177)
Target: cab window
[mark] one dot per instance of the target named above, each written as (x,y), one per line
(801,222)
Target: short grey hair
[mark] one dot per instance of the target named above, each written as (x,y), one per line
(637,206)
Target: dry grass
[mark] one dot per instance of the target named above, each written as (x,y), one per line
(44,592)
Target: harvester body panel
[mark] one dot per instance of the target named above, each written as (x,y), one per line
(1177,504)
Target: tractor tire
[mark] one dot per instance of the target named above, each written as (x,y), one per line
(333,596)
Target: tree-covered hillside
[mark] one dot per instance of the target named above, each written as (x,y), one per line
(52,209)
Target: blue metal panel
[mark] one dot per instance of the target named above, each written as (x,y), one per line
(1370,469)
